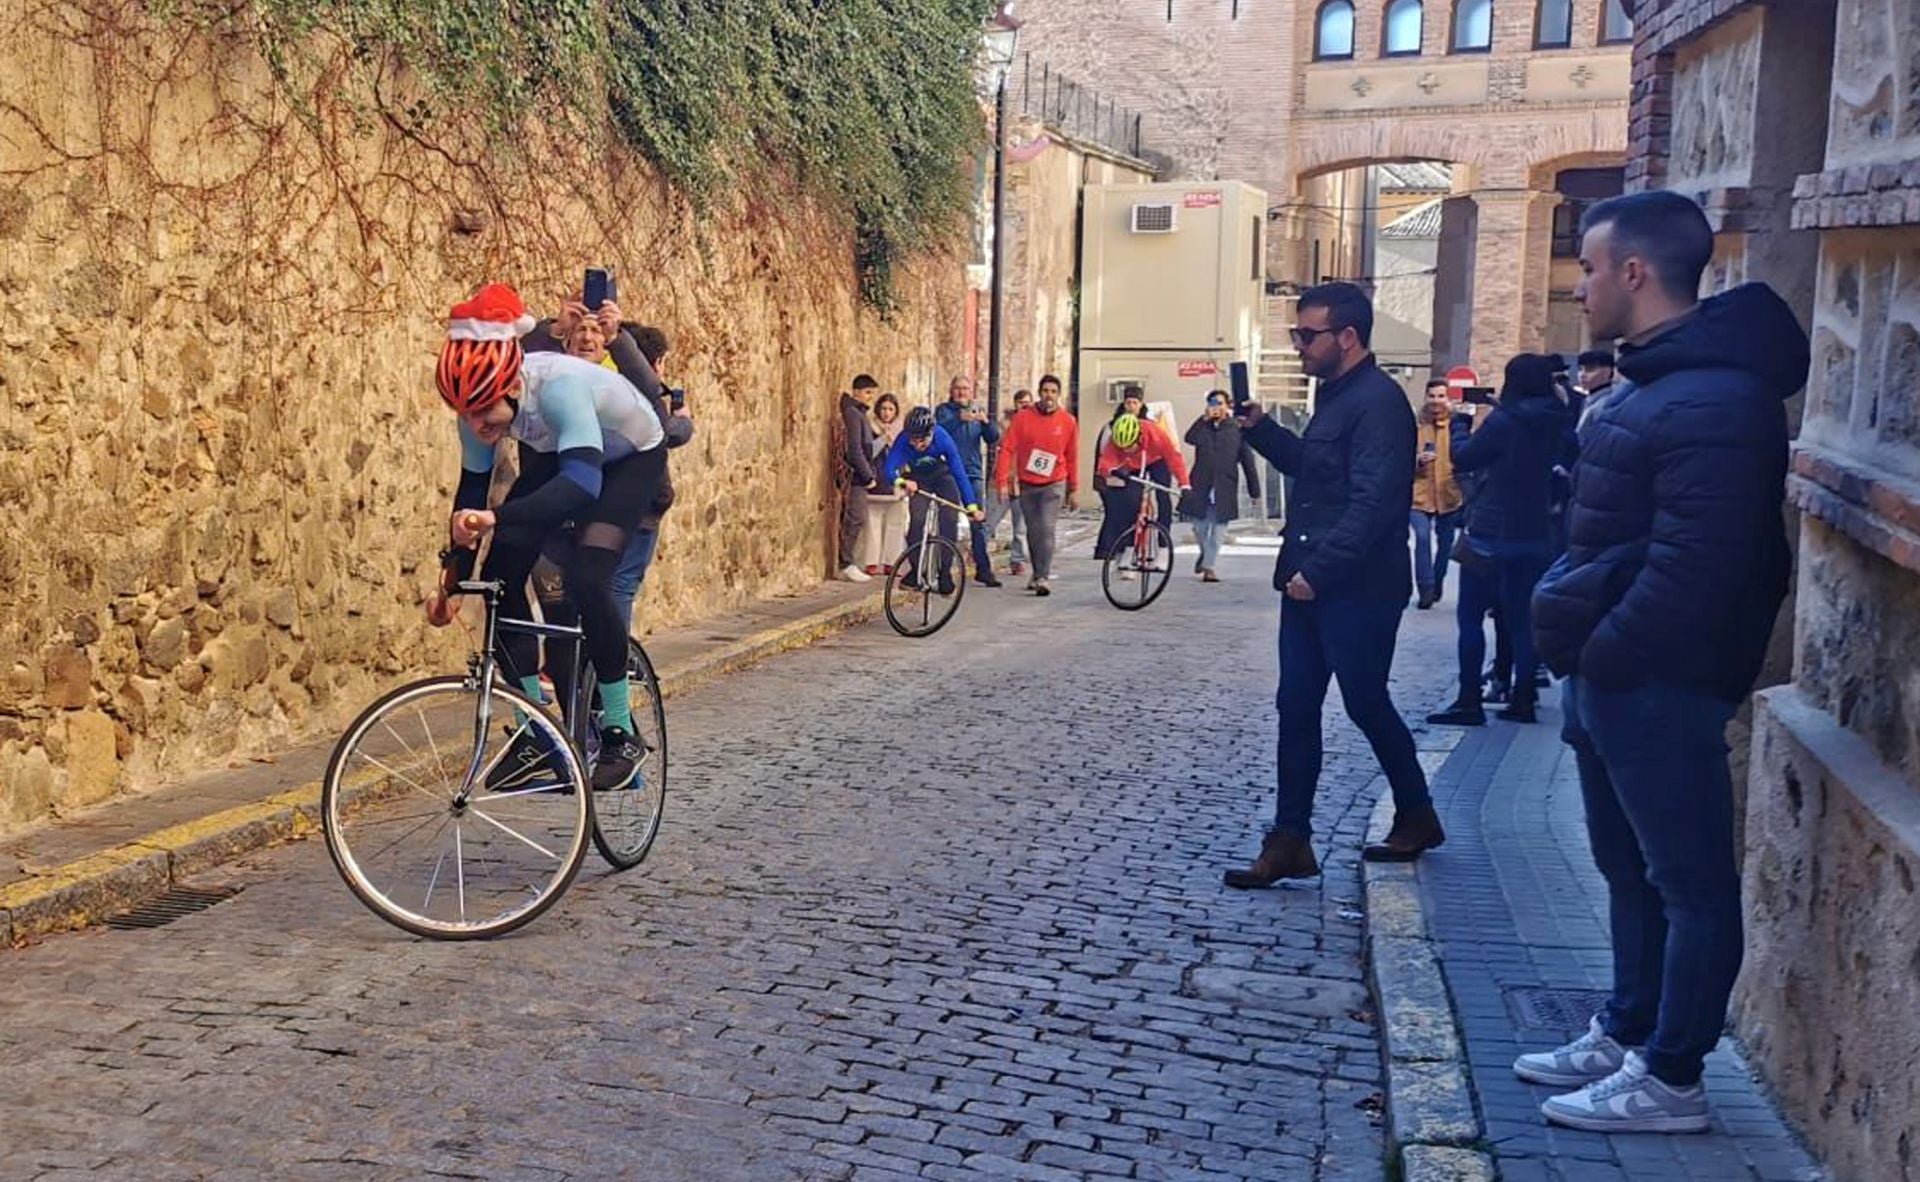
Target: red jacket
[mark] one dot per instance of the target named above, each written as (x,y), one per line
(1155,445)
(1043,448)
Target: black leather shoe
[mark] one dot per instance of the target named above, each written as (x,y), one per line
(1461,713)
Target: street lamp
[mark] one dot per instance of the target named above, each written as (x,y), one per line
(1002,41)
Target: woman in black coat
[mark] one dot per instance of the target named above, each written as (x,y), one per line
(1220,455)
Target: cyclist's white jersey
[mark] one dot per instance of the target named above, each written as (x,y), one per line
(568,403)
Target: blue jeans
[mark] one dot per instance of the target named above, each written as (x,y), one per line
(632,570)
(1210,531)
(1430,561)
(1659,801)
(1320,640)
(1507,589)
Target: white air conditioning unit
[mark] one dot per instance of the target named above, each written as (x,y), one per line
(1154,218)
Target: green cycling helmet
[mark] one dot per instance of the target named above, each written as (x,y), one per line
(1126,431)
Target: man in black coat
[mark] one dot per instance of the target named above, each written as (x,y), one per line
(1346,572)
(1660,611)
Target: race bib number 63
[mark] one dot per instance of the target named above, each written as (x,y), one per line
(1042,463)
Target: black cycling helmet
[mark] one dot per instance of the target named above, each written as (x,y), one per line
(920,422)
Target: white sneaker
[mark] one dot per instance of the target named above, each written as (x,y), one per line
(1631,1101)
(853,574)
(1587,1059)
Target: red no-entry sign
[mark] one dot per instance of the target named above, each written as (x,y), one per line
(1459,378)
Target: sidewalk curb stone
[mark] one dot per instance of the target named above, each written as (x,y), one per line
(89,889)
(1432,1121)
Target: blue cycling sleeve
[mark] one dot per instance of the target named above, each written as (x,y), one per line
(950,452)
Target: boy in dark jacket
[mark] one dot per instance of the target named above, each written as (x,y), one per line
(1660,611)
(1509,529)
(1346,572)
(853,472)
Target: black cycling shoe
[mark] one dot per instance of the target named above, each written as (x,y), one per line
(620,756)
(987,579)
(529,763)
(945,587)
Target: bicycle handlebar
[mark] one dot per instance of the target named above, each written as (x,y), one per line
(940,500)
(492,588)
(1169,489)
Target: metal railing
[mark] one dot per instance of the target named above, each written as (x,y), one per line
(1038,90)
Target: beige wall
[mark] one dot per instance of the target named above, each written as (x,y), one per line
(1046,174)
(225,468)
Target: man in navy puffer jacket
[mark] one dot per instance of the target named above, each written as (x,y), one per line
(1660,612)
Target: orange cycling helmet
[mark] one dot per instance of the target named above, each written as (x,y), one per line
(480,363)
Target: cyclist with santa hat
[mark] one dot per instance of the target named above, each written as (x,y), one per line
(590,456)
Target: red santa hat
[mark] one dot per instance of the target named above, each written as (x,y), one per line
(495,313)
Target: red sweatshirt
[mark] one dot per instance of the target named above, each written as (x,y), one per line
(1044,449)
(1154,445)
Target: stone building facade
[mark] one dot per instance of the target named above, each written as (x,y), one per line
(1252,90)
(224,467)
(1796,124)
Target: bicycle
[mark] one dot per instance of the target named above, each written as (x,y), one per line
(1138,567)
(416,763)
(927,577)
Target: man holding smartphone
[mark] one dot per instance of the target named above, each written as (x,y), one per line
(1344,571)
(973,431)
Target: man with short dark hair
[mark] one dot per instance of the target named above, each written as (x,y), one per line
(1659,614)
(1345,573)
(1596,377)
(1040,456)
(853,471)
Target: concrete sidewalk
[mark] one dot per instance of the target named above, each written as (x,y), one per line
(1497,944)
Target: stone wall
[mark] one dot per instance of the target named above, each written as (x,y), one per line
(225,467)
(1046,172)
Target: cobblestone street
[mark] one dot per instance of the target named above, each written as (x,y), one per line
(939,909)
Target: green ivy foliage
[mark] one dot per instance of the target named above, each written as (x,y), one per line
(868,103)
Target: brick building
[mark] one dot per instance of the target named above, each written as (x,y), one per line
(1293,96)
(1796,124)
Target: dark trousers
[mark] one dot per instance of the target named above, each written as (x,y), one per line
(1659,801)
(853,522)
(977,534)
(1320,640)
(1114,520)
(943,486)
(1503,589)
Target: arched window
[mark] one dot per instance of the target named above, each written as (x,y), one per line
(1554,29)
(1615,25)
(1403,28)
(1333,31)
(1472,26)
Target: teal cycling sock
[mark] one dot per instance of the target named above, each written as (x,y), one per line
(616,707)
(531,687)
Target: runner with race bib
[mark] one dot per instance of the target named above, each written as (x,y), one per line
(1037,463)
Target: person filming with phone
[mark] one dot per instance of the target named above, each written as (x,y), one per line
(1344,569)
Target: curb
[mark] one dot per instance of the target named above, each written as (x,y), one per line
(1433,1125)
(87,890)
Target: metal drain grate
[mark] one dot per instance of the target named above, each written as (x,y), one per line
(1556,1009)
(173,904)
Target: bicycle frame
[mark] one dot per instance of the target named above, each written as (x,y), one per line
(929,527)
(483,671)
(1149,511)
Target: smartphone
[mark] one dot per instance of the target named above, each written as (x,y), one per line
(1431,448)
(1480,395)
(1241,380)
(677,399)
(598,288)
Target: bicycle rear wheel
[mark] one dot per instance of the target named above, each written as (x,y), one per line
(919,606)
(431,858)
(1134,576)
(626,820)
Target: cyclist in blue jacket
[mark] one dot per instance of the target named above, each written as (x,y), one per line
(924,456)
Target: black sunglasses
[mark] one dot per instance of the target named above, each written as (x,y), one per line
(1303,337)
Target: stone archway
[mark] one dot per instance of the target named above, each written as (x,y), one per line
(1510,162)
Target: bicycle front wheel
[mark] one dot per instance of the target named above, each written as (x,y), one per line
(627,819)
(426,852)
(919,603)
(1138,567)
